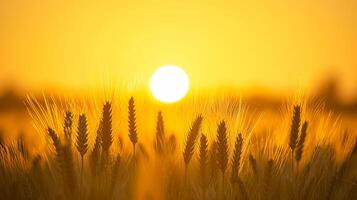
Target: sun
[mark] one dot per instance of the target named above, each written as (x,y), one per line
(169,83)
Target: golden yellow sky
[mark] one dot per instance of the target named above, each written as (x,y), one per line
(272,43)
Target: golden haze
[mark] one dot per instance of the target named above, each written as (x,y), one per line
(278,44)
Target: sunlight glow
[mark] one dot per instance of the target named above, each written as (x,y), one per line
(169,83)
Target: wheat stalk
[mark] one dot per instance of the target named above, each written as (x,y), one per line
(69,171)
(95,154)
(300,144)
(203,158)
(236,162)
(295,126)
(213,159)
(190,141)
(132,124)
(106,128)
(238,146)
(222,147)
(56,142)
(160,134)
(82,137)
(67,127)
(65,160)
(222,152)
(294,131)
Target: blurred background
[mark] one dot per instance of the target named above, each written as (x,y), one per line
(265,49)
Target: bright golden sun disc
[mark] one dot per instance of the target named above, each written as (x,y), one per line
(169,83)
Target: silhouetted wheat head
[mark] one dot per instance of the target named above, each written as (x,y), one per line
(203,159)
(159,144)
(106,128)
(191,140)
(132,124)
(222,147)
(56,142)
(294,132)
(67,127)
(82,136)
(300,144)
(295,127)
(238,146)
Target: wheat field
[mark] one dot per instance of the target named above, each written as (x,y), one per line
(178,100)
(216,148)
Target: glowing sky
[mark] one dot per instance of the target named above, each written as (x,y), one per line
(272,43)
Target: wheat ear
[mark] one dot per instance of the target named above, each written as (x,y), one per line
(300,144)
(190,141)
(238,146)
(82,137)
(132,123)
